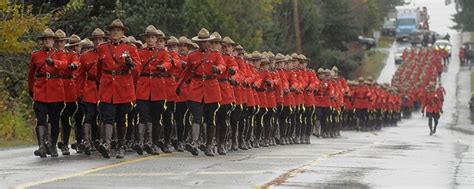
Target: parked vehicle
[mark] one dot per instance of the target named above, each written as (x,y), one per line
(399,55)
(410,20)
(367,43)
(389,27)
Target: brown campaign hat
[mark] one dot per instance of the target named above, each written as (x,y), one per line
(117,23)
(172,41)
(217,37)
(334,68)
(264,60)
(185,40)
(203,35)
(256,55)
(87,43)
(321,71)
(229,41)
(294,56)
(73,40)
(247,56)
(239,47)
(302,58)
(151,30)
(48,32)
(270,55)
(279,58)
(60,35)
(98,33)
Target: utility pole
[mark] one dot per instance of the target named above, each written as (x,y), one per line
(296,19)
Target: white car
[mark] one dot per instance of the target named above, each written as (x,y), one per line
(398,55)
(443,44)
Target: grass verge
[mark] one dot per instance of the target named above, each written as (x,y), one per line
(472,82)
(385,42)
(372,65)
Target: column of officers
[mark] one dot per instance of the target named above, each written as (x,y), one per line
(201,95)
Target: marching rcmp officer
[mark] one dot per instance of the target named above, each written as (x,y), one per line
(88,81)
(433,106)
(151,90)
(226,84)
(88,78)
(117,60)
(182,115)
(171,96)
(46,87)
(195,94)
(69,87)
(204,94)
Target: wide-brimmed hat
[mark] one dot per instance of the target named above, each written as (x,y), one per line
(48,32)
(203,35)
(294,56)
(185,40)
(228,41)
(87,43)
(256,55)
(97,33)
(117,23)
(172,41)
(247,56)
(321,71)
(303,58)
(279,58)
(151,30)
(264,60)
(239,47)
(270,55)
(74,40)
(217,37)
(334,68)
(60,35)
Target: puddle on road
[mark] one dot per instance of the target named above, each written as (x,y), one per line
(332,185)
(397,147)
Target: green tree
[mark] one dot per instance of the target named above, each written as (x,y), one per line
(464,16)
(17,24)
(338,24)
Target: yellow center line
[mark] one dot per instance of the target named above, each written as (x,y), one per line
(291,173)
(63,177)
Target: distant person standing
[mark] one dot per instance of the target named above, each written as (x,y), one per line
(433,106)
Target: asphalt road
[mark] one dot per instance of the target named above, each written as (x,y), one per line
(398,157)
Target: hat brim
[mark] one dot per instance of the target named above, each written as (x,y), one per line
(155,34)
(197,39)
(73,44)
(108,28)
(97,36)
(170,44)
(43,37)
(61,38)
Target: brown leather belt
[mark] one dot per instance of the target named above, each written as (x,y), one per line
(47,75)
(92,78)
(204,77)
(67,77)
(117,72)
(154,75)
(222,79)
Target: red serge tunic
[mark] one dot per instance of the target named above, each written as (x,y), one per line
(204,86)
(151,84)
(116,81)
(44,81)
